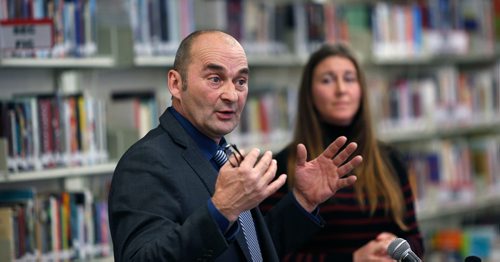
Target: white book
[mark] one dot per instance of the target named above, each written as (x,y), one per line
(12,157)
(35,134)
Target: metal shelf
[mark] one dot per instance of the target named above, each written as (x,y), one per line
(440,131)
(464,59)
(47,174)
(445,210)
(152,61)
(90,62)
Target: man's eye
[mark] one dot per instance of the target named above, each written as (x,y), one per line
(242,82)
(215,79)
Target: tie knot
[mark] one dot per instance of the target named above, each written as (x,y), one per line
(220,157)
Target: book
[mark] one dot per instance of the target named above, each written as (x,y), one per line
(21,203)
(6,234)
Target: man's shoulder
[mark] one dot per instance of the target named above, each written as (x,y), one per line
(155,141)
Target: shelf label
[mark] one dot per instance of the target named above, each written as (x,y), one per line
(22,34)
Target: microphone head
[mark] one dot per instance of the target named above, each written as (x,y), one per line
(398,248)
(472,259)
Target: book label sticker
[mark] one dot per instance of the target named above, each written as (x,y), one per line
(26,34)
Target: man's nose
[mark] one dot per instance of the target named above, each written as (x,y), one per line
(229,92)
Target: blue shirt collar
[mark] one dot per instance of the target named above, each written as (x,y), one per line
(207,146)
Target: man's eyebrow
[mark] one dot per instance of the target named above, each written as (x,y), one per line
(216,67)
(245,71)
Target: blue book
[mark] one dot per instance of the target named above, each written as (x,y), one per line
(17,195)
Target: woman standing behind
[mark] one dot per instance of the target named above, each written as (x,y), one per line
(362,220)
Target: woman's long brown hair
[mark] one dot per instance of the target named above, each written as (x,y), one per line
(376,178)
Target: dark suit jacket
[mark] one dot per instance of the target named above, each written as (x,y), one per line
(158,206)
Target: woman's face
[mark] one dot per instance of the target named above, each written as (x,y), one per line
(336,90)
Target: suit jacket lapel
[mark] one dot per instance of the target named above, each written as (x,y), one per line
(191,153)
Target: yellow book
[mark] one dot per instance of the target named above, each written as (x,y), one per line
(6,234)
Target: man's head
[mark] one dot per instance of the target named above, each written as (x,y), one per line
(209,82)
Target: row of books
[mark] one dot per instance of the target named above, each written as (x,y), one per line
(456,170)
(158,25)
(267,118)
(131,115)
(74,26)
(423,28)
(432,27)
(60,226)
(391,30)
(437,97)
(47,131)
(44,131)
(263,27)
(457,243)
(137,110)
(315,23)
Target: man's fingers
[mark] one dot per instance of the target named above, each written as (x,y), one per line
(344,154)
(275,185)
(301,154)
(264,162)
(270,173)
(345,182)
(250,158)
(334,147)
(349,166)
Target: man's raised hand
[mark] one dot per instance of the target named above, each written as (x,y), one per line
(319,179)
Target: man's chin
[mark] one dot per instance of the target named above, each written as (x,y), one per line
(224,130)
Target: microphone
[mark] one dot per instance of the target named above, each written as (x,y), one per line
(472,259)
(399,249)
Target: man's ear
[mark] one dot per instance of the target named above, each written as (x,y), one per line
(174,83)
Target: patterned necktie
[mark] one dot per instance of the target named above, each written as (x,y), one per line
(220,157)
(245,219)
